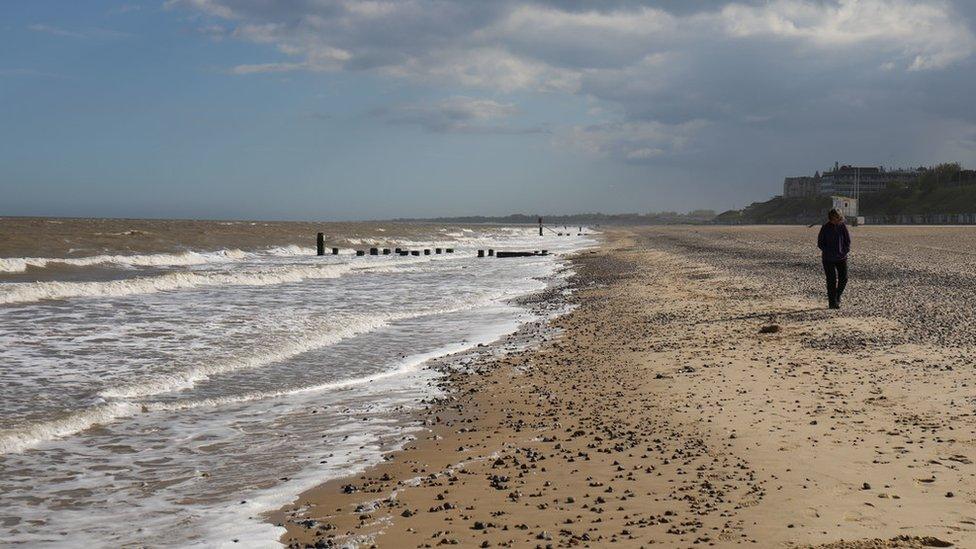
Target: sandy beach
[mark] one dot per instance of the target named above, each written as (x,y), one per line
(700,393)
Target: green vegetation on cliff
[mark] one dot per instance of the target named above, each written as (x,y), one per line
(944,189)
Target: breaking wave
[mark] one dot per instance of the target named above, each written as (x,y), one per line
(21,264)
(18,440)
(124,401)
(188,258)
(31,292)
(326,333)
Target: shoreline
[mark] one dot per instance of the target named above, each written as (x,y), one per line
(214,392)
(545,304)
(659,414)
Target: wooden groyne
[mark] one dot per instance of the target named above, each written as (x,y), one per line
(490,252)
(483,253)
(503,255)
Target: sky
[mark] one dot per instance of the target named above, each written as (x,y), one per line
(345,109)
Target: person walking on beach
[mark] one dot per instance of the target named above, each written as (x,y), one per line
(835,243)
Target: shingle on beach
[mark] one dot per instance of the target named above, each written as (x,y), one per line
(662,411)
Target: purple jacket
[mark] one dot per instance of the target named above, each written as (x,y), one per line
(834,241)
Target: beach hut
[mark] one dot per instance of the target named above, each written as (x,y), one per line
(847,206)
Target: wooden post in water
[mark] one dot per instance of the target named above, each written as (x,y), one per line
(374,251)
(360,252)
(426,251)
(437,250)
(320,243)
(386,251)
(449,250)
(540,225)
(491,253)
(335,251)
(481,253)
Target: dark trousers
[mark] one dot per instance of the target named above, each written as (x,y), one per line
(836,272)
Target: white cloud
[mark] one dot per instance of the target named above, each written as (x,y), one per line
(57,31)
(927,35)
(126,8)
(486,68)
(466,108)
(217,8)
(657,74)
(215,32)
(634,140)
(518,45)
(509,45)
(457,114)
(260,68)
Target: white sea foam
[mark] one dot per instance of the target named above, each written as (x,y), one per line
(315,337)
(20,264)
(122,402)
(188,258)
(121,405)
(13,264)
(38,291)
(406,367)
(18,440)
(277,383)
(290,250)
(323,336)
(181,280)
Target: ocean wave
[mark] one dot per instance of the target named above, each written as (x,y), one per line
(32,292)
(314,336)
(21,264)
(404,368)
(38,291)
(124,401)
(127,401)
(303,341)
(290,250)
(182,259)
(18,440)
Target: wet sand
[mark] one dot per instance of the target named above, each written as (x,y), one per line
(701,394)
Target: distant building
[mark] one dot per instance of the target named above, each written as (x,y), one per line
(852,180)
(846,181)
(795,187)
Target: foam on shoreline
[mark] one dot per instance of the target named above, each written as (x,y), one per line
(199,400)
(31,292)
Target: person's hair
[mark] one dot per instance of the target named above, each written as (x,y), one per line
(834,213)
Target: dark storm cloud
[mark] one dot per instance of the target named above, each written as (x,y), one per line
(676,81)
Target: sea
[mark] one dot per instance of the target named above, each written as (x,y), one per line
(165,383)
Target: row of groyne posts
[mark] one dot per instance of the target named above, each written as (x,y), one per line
(321,248)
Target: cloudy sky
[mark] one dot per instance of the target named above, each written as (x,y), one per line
(316,109)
